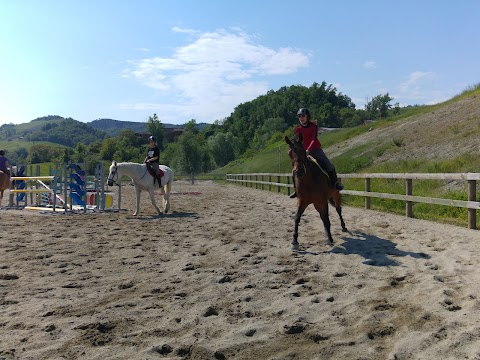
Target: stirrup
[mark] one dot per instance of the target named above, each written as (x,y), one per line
(293,195)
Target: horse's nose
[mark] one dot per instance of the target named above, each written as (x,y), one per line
(110,182)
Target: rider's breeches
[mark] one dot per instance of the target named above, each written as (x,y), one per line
(156,167)
(322,159)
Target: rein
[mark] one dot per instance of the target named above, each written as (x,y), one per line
(116,175)
(145,173)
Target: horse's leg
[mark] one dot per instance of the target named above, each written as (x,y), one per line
(166,196)
(162,192)
(337,202)
(300,210)
(1,197)
(152,199)
(137,196)
(323,210)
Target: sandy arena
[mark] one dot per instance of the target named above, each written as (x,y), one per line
(216,279)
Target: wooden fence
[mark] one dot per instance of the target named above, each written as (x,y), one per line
(262,180)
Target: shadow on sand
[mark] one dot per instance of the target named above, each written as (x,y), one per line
(169,215)
(376,251)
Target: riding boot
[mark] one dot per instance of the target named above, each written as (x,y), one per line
(159,180)
(294,194)
(334,179)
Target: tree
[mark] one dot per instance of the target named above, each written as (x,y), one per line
(379,106)
(222,148)
(108,148)
(80,153)
(192,151)
(396,108)
(265,132)
(155,128)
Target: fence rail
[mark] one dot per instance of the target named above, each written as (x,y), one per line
(258,179)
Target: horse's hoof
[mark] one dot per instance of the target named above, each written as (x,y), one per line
(295,247)
(344,230)
(134,214)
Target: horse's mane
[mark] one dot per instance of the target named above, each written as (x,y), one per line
(312,165)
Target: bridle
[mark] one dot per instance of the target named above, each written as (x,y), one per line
(111,177)
(300,167)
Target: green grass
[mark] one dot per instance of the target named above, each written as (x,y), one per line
(12,146)
(427,188)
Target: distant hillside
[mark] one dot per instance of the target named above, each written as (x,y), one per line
(68,132)
(54,129)
(113,127)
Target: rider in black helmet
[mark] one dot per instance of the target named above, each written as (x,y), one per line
(153,158)
(309,131)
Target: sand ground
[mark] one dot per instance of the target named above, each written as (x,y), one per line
(216,279)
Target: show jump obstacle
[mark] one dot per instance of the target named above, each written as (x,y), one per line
(66,189)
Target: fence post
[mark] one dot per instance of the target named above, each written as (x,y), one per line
(288,187)
(472,196)
(269,182)
(278,182)
(409,204)
(256,181)
(262,182)
(367,188)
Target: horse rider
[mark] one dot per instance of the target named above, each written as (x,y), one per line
(153,158)
(4,165)
(312,145)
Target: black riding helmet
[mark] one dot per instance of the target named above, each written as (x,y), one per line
(152,138)
(304,111)
(2,152)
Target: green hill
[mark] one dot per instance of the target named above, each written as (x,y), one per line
(442,137)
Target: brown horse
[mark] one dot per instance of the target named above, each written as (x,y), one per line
(313,186)
(4,184)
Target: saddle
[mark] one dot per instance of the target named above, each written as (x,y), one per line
(151,171)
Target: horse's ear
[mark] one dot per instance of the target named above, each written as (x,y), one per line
(114,163)
(287,140)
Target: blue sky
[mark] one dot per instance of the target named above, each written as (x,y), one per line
(199,59)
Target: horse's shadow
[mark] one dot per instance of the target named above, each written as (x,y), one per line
(374,250)
(172,215)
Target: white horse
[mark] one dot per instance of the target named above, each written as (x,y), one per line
(143,181)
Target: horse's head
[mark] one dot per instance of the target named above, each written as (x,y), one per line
(297,154)
(113,173)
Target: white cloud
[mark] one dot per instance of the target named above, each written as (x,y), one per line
(177,29)
(370,64)
(211,75)
(415,80)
